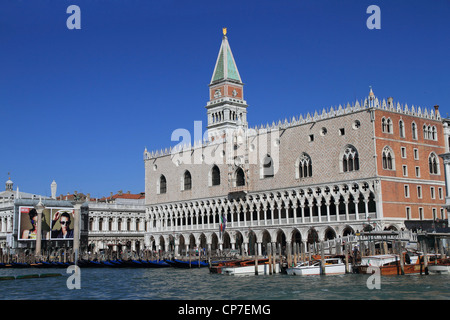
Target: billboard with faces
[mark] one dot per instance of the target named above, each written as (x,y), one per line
(57,223)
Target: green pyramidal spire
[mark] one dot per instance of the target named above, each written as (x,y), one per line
(225,68)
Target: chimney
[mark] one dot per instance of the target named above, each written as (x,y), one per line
(120,192)
(436,108)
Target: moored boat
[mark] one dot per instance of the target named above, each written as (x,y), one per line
(391,264)
(155,263)
(243,267)
(439,266)
(332,266)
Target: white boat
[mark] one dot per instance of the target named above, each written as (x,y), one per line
(332,266)
(250,269)
(439,266)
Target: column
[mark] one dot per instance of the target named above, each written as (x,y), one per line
(356,207)
(366,206)
(295,212)
(327,203)
(319,209)
(336,203)
(346,210)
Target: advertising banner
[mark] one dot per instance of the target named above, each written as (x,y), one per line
(57,223)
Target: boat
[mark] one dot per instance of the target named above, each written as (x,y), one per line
(155,263)
(389,264)
(307,268)
(439,266)
(242,267)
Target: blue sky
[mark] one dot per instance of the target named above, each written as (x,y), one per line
(80,106)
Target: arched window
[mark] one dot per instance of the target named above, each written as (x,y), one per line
(187,181)
(215,176)
(433,163)
(267,167)
(434,133)
(350,159)
(414,130)
(162,186)
(389,125)
(401,128)
(388,158)
(240,177)
(303,166)
(386,125)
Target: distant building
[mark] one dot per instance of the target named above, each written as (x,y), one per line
(369,164)
(112,223)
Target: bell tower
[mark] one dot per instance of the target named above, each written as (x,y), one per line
(226,108)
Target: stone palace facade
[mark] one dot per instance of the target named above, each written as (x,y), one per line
(369,164)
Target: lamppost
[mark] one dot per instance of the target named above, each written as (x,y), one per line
(39,208)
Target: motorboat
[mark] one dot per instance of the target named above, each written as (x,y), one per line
(439,266)
(389,264)
(247,267)
(306,268)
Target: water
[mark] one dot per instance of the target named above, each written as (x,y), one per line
(199,284)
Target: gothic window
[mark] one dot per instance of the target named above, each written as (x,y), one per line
(303,166)
(386,125)
(426,132)
(267,167)
(215,176)
(350,159)
(401,127)
(240,177)
(433,163)
(162,188)
(187,181)
(434,133)
(414,130)
(388,158)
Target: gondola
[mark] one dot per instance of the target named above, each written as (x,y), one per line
(155,263)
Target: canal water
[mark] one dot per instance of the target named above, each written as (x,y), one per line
(199,284)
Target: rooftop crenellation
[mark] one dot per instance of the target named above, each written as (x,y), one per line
(368,103)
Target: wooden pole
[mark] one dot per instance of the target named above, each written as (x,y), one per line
(256,259)
(303,251)
(280,255)
(309,252)
(269,253)
(289,256)
(402,259)
(274,258)
(322,259)
(425,256)
(347,269)
(295,253)
(441,248)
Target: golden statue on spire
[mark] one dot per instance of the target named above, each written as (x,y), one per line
(224,30)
